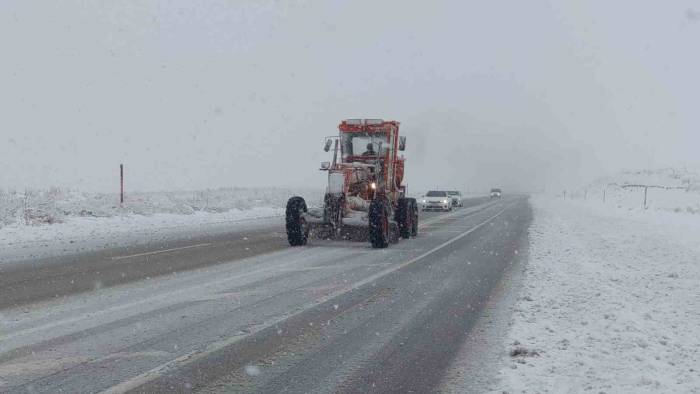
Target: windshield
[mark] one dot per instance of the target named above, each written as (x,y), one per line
(433,193)
(453,193)
(363,144)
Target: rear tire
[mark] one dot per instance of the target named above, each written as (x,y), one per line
(379,224)
(404,217)
(297,230)
(414,214)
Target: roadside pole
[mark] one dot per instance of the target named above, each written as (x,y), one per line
(121,183)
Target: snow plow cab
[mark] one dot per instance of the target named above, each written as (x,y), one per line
(365,198)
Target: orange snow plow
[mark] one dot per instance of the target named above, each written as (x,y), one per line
(365,197)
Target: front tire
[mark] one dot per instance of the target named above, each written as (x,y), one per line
(379,224)
(297,229)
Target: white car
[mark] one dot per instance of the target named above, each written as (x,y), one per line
(495,193)
(436,200)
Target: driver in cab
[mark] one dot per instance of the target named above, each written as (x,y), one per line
(370,150)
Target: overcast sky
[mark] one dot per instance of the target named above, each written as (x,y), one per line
(189,95)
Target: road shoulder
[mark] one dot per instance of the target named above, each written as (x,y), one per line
(610,304)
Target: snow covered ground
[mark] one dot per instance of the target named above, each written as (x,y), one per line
(39,224)
(55,205)
(670,189)
(610,302)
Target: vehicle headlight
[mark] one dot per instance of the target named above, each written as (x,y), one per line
(444,201)
(373,186)
(424,201)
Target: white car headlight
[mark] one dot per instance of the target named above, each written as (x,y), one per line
(444,201)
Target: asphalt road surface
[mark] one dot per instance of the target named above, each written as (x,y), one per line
(243,312)
(24,282)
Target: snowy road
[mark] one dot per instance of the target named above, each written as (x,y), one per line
(337,317)
(34,280)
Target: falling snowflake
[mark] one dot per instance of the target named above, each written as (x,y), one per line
(252,370)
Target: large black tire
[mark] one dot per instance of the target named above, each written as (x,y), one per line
(379,224)
(414,222)
(404,217)
(297,230)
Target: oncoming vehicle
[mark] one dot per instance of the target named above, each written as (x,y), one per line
(495,193)
(436,200)
(365,196)
(456,198)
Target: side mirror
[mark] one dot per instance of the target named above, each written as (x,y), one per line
(402,143)
(325,165)
(327,146)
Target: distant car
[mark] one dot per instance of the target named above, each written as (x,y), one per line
(495,193)
(436,200)
(456,198)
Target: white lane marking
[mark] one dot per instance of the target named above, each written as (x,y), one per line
(456,214)
(332,266)
(213,347)
(427,222)
(159,251)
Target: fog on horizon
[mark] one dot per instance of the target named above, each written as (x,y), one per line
(520,95)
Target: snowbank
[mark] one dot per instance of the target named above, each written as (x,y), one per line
(611,303)
(53,222)
(36,207)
